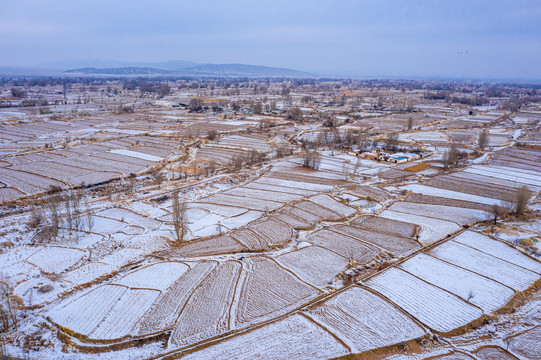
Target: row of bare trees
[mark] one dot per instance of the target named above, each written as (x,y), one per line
(68,210)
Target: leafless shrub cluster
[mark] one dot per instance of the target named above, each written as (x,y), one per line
(8,315)
(311,159)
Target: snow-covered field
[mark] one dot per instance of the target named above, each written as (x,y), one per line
(431,229)
(437,308)
(356,258)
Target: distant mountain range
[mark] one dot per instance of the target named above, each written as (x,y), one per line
(232,70)
(109,64)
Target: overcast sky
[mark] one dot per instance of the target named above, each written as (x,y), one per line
(458,38)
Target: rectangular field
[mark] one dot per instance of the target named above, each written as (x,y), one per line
(431,229)
(394,244)
(313,264)
(487,265)
(438,309)
(478,290)
(364,321)
(298,338)
(344,245)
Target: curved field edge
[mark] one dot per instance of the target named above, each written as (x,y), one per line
(76,340)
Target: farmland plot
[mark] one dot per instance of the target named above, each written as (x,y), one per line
(7,194)
(250,239)
(157,276)
(511,174)
(364,321)
(87,311)
(431,229)
(237,201)
(217,245)
(263,194)
(304,176)
(239,221)
(438,309)
(27,182)
(286,184)
(399,228)
(125,314)
(453,355)
(131,218)
(456,214)
(273,230)
(268,291)
(485,293)
(436,200)
(306,216)
(494,353)
(330,203)
(206,313)
(298,338)
(470,190)
(344,245)
(436,191)
(88,273)
(394,244)
(527,344)
(55,259)
(321,211)
(497,249)
(277,188)
(487,265)
(313,264)
(166,309)
(295,221)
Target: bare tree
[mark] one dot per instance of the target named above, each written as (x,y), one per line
(212,134)
(451,157)
(53,201)
(311,159)
(498,212)
(482,140)
(179,216)
(522,198)
(89,216)
(347,169)
(391,142)
(410,123)
(236,162)
(294,114)
(8,318)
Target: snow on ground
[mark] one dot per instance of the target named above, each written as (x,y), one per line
(431,229)
(364,321)
(268,290)
(87,311)
(315,265)
(297,338)
(437,308)
(157,276)
(494,268)
(512,174)
(458,215)
(331,203)
(206,314)
(485,293)
(136,154)
(498,249)
(432,191)
(120,320)
(55,260)
(527,343)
